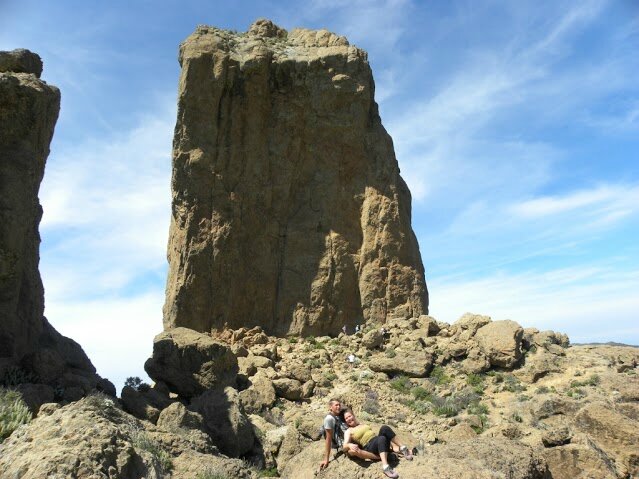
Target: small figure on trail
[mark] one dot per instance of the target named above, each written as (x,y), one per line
(360,441)
(332,430)
(344,329)
(351,359)
(357,328)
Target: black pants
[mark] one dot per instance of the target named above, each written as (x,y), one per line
(382,442)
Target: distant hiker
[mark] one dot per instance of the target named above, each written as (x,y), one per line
(351,359)
(357,328)
(344,329)
(332,430)
(360,441)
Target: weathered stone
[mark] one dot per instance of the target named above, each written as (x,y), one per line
(288,208)
(578,461)
(413,364)
(177,416)
(225,421)
(27,118)
(373,339)
(478,458)
(260,395)
(501,342)
(617,434)
(144,404)
(35,395)
(21,61)
(556,437)
(288,388)
(190,362)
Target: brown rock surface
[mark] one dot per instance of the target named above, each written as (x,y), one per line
(288,208)
(189,362)
(28,113)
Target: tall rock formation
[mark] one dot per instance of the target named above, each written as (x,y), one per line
(28,113)
(288,208)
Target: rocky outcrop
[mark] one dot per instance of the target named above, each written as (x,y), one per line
(479,458)
(288,208)
(31,350)
(190,363)
(94,438)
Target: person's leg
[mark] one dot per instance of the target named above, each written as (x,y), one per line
(363,454)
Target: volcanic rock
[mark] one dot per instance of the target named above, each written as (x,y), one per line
(288,208)
(29,346)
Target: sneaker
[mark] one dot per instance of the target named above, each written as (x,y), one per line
(388,472)
(408,454)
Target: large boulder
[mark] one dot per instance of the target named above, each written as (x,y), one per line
(225,421)
(289,211)
(500,341)
(189,362)
(414,364)
(613,432)
(479,458)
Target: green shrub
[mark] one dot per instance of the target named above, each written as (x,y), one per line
(271,472)
(439,376)
(476,381)
(512,384)
(13,412)
(401,384)
(420,393)
(13,376)
(136,383)
(141,440)
(483,423)
(477,408)
(371,406)
(391,353)
(516,417)
(447,409)
(330,375)
(212,473)
(542,390)
(420,406)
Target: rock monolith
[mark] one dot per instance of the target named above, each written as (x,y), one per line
(31,350)
(289,211)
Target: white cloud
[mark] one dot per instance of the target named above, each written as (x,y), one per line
(606,201)
(116,333)
(589,303)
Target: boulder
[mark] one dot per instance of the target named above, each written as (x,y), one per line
(144,404)
(288,388)
(35,395)
(616,434)
(21,61)
(500,341)
(260,395)
(578,461)
(225,421)
(413,364)
(478,458)
(289,212)
(189,362)
(177,416)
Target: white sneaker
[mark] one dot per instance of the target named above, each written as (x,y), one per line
(388,472)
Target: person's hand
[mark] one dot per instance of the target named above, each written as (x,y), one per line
(324,464)
(353,447)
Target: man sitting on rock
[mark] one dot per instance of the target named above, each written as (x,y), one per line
(360,441)
(333,430)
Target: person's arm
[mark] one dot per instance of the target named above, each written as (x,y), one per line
(349,444)
(327,448)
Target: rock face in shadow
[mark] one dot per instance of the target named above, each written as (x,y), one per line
(31,350)
(288,208)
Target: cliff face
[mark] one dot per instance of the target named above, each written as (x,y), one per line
(28,343)
(288,208)
(29,110)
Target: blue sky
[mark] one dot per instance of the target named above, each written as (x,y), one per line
(515,125)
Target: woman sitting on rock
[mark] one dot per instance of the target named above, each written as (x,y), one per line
(360,441)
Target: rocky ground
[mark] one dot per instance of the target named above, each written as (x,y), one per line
(479,399)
